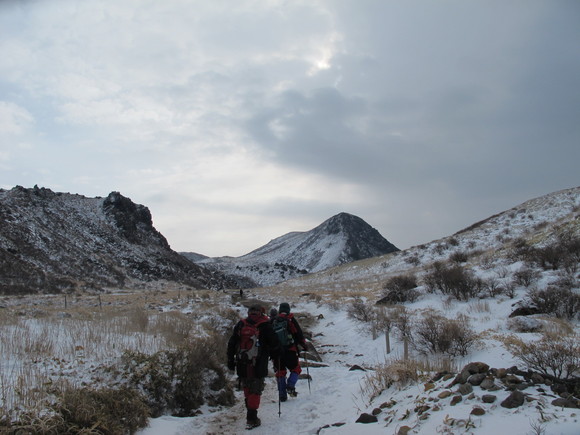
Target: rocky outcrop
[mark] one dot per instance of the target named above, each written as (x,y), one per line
(58,242)
(481,386)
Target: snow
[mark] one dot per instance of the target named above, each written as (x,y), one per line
(338,395)
(335,394)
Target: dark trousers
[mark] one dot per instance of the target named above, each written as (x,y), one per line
(288,360)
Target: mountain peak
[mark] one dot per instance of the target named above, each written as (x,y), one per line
(341,239)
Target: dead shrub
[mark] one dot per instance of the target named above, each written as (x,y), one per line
(360,311)
(396,373)
(400,289)
(561,302)
(452,280)
(526,276)
(552,356)
(437,334)
(106,411)
(459,257)
(179,381)
(563,253)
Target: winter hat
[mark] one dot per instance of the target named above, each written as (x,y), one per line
(273,312)
(255,309)
(284,308)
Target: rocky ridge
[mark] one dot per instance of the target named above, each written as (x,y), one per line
(59,242)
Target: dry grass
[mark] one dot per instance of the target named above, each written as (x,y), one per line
(44,345)
(400,373)
(479,306)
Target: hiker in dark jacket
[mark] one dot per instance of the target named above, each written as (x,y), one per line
(251,361)
(273,314)
(291,342)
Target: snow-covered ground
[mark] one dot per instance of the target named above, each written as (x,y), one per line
(336,399)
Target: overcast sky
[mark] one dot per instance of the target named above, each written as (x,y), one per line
(237,121)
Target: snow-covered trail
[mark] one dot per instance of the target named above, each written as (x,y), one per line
(333,396)
(336,396)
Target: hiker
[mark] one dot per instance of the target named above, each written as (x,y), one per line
(273,314)
(253,341)
(291,337)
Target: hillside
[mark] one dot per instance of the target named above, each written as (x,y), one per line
(59,242)
(486,244)
(343,238)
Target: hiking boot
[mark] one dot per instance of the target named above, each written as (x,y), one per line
(291,392)
(252,423)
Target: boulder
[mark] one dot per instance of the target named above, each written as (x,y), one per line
(565,403)
(455,400)
(488,398)
(476,379)
(476,367)
(367,418)
(514,400)
(489,384)
(465,389)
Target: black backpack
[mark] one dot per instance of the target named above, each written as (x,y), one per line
(280,325)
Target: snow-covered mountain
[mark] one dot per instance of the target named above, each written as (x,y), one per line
(484,245)
(341,239)
(376,370)
(52,242)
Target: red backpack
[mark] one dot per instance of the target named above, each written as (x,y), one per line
(249,342)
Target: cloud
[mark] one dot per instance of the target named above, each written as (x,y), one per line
(14,120)
(270,116)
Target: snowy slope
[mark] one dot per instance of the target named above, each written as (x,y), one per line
(538,220)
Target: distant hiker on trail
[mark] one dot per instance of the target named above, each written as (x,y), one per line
(252,343)
(290,336)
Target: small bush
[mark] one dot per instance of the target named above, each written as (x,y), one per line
(360,311)
(106,411)
(559,301)
(399,289)
(552,356)
(455,281)
(564,253)
(401,282)
(459,257)
(492,286)
(413,260)
(526,276)
(180,381)
(436,334)
(399,373)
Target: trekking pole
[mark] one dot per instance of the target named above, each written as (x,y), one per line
(307,373)
(278,388)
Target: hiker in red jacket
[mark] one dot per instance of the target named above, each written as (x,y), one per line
(252,343)
(291,338)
